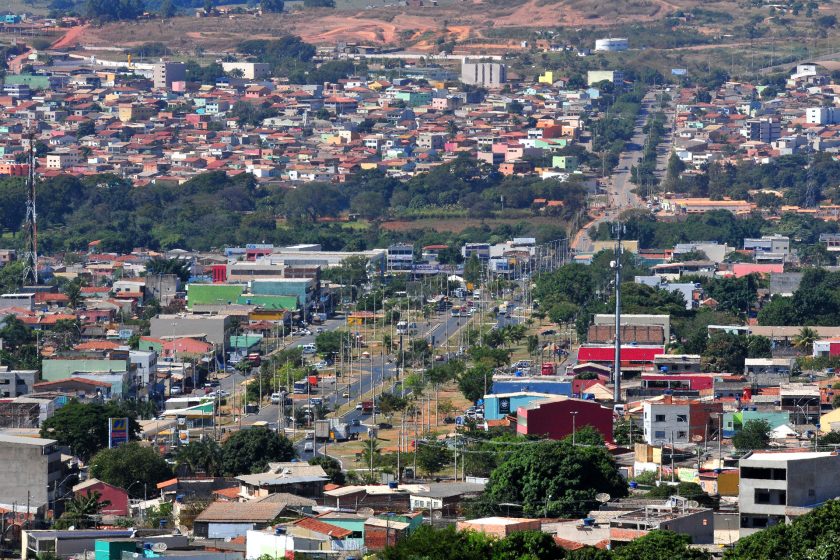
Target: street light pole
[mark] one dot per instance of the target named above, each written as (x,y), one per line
(574,426)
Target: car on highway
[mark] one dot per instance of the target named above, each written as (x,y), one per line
(320,330)
(359,406)
(308,447)
(322,365)
(355,422)
(345,395)
(276,398)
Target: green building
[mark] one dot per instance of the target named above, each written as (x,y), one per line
(269,302)
(213,294)
(568,163)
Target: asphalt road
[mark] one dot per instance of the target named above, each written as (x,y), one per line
(620,188)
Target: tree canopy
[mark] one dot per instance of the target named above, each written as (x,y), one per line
(83,427)
(553,478)
(250,451)
(755,434)
(131,465)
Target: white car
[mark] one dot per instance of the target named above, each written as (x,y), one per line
(275,398)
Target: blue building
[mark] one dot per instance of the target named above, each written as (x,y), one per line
(499,406)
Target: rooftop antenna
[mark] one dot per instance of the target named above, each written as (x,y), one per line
(30,258)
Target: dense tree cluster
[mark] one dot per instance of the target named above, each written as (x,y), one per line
(815,536)
(429,543)
(816,302)
(552,478)
(113,10)
(83,427)
(214,209)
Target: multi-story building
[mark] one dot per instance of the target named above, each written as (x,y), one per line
(487,74)
(62,159)
(679,421)
(762,130)
(14,383)
(165,73)
(400,256)
(778,487)
(30,468)
(769,247)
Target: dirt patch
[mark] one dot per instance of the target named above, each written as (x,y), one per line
(383,26)
(73,37)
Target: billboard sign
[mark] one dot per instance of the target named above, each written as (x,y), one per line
(117,431)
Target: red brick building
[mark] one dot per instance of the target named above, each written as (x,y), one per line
(557,418)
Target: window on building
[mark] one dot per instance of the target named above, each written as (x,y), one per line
(659,434)
(683,418)
(682,435)
(659,418)
(761,473)
(762,496)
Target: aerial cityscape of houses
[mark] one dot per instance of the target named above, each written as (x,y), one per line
(253,399)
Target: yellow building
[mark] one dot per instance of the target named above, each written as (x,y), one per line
(547,78)
(830,421)
(130,112)
(630,245)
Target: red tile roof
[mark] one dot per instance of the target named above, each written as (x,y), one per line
(318,526)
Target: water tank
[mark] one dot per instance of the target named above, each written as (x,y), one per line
(588,521)
(279,530)
(393,485)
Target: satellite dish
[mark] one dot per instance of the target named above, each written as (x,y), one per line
(603,497)
(697,438)
(437,514)
(228,539)
(159,547)
(692,504)
(366,511)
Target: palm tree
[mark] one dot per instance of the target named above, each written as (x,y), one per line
(371,453)
(82,509)
(805,339)
(179,268)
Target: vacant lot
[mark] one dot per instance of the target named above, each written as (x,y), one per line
(384,24)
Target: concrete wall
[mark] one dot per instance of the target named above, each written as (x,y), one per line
(25,471)
(55,369)
(211,326)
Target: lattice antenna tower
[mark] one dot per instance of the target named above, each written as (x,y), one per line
(30,257)
(811,188)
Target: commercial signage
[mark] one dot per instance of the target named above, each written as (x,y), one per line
(117,431)
(504,405)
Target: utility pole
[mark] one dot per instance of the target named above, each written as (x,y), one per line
(618,227)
